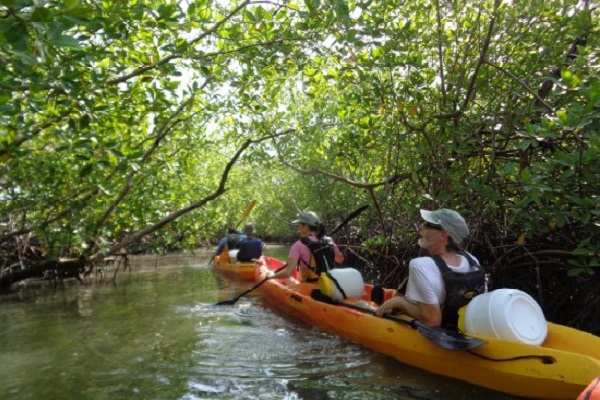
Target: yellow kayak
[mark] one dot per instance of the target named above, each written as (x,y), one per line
(240,270)
(560,368)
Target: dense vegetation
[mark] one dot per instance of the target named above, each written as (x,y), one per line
(150,125)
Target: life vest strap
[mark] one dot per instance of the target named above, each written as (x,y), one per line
(337,284)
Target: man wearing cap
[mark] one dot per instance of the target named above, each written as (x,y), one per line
(310,227)
(251,247)
(440,284)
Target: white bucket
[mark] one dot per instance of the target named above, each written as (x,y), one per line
(508,314)
(233,255)
(349,279)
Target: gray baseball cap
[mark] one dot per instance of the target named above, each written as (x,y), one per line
(249,228)
(450,221)
(307,217)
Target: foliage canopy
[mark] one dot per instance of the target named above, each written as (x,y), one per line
(167,117)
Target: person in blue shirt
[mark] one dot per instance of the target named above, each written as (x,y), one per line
(231,240)
(251,247)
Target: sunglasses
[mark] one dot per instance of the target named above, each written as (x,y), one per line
(433,226)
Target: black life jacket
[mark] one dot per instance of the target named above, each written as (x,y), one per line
(460,288)
(322,258)
(250,248)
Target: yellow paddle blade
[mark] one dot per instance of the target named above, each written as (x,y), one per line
(246,212)
(249,208)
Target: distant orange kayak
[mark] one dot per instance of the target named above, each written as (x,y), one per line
(558,369)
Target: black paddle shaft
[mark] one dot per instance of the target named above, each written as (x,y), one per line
(448,339)
(239,296)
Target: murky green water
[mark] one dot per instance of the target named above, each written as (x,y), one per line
(155,334)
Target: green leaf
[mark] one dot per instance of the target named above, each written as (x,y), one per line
(41,14)
(191,11)
(342,11)
(562,116)
(510,169)
(526,174)
(312,5)
(7,108)
(71,4)
(574,272)
(68,41)
(5,26)
(86,170)
(26,58)
(85,121)
(17,35)
(581,251)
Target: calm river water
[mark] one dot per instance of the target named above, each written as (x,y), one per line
(155,334)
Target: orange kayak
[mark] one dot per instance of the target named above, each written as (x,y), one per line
(558,369)
(239,270)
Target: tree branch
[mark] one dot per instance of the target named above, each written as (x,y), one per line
(510,74)
(135,237)
(163,131)
(343,179)
(441,54)
(548,84)
(482,55)
(171,57)
(18,142)
(67,211)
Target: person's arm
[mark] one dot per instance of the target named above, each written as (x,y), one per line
(287,271)
(221,246)
(428,314)
(338,256)
(424,305)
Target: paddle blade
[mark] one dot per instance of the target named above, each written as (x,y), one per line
(239,296)
(211,260)
(249,208)
(256,285)
(246,212)
(229,302)
(448,339)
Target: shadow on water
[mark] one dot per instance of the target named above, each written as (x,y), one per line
(156,334)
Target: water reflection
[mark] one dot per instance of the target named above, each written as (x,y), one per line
(155,333)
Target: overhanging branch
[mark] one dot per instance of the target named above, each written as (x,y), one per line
(135,237)
(520,81)
(339,178)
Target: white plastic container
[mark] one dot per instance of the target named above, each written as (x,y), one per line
(509,314)
(233,255)
(349,279)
